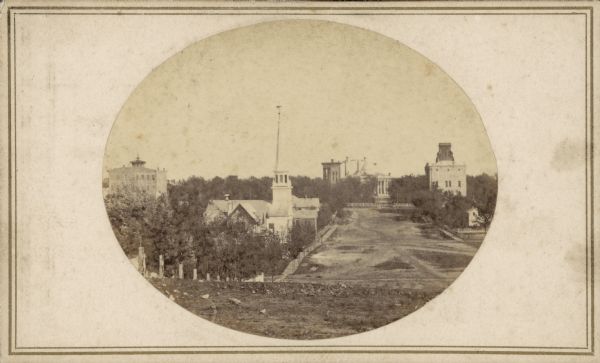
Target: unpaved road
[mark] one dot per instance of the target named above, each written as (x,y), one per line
(376,249)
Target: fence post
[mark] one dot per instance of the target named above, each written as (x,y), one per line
(140,259)
(161,266)
(144,265)
(195,274)
(180,270)
(207,276)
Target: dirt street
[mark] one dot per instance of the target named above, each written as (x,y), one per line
(378,249)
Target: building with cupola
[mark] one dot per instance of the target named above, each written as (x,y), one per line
(446,174)
(136,178)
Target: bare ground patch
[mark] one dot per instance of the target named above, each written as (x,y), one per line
(443,260)
(395,263)
(346,248)
(307,267)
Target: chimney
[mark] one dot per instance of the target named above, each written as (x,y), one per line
(229,204)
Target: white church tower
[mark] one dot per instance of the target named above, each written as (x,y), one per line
(281,211)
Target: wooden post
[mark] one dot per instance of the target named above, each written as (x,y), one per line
(195,274)
(180,270)
(207,276)
(141,260)
(161,266)
(144,265)
(218,278)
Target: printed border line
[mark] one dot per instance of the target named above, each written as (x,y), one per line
(589,163)
(10,194)
(309,8)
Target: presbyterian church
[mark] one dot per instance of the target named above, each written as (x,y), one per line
(279,215)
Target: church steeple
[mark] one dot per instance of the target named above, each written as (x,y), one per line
(277,147)
(282,185)
(280,177)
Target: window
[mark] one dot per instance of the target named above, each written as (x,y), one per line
(286,178)
(276,178)
(450,183)
(459,183)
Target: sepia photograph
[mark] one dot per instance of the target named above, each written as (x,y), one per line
(299,179)
(292,181)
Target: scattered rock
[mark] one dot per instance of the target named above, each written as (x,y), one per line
(314,268)
(153,274)
(175,290)
(185,293)
(205,296)
(263,311)
(254,292)
(172,297)
(235,301)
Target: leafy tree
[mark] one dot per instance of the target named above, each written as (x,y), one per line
(403,189)
(274,256)
(128,211)
(301,236)
(482,190)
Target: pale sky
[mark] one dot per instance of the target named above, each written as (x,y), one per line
(211,109)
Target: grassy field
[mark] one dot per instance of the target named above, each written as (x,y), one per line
(293,310)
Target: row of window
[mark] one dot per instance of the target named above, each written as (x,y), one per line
(448,184)
(438,169)
(137,177)
(280,178)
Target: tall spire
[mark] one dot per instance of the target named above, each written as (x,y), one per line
(277,149)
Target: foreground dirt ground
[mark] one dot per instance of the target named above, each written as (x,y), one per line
(376,269)
(294,310)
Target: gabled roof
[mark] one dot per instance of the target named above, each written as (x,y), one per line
(305,203)
(256,208)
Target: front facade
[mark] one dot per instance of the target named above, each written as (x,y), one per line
(445,174)
(382,195)
(137,178)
